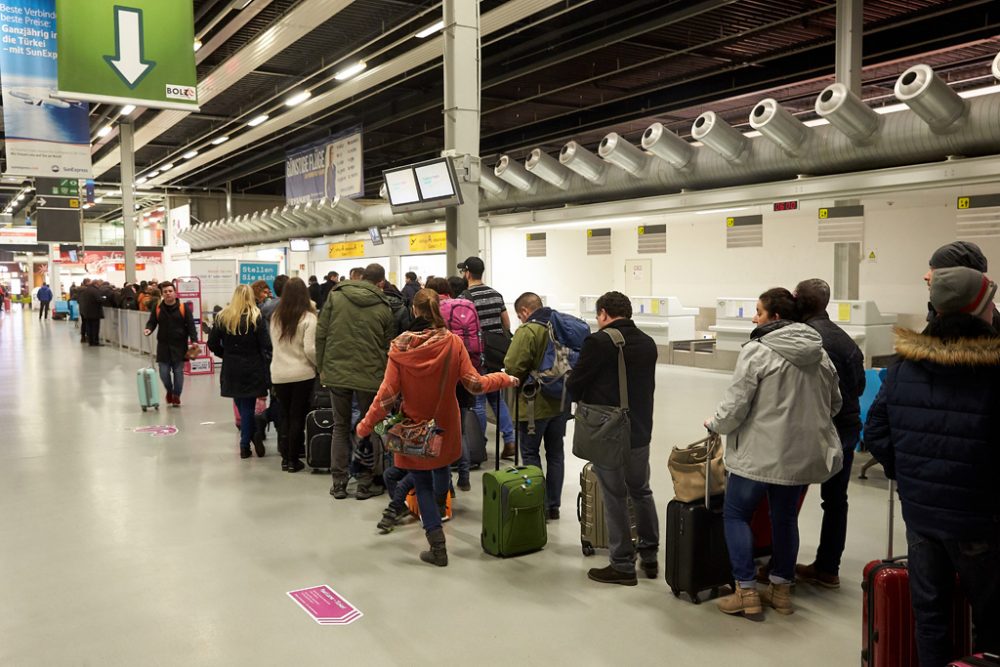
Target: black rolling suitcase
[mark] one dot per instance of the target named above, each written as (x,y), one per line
(319,440)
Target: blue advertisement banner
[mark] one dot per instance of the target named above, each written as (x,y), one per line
(329,168)
(251,272)
(44,135)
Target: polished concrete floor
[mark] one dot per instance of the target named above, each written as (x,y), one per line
(118,548)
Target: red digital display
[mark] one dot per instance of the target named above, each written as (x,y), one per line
(792,205)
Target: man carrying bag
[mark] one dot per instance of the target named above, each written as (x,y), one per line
(613,430)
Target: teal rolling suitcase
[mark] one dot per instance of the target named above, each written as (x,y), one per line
(148,386)
(513,507)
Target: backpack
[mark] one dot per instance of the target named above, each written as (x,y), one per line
(158,310)
(566,336)
(462,319)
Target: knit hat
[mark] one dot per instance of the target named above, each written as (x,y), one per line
(959,289)
(959,253)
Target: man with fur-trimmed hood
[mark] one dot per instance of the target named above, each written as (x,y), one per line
(935,427)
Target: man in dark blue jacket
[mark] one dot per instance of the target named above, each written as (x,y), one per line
(935,428)
(44,299)
(812,297)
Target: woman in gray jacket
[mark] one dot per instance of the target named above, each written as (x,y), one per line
(778,416)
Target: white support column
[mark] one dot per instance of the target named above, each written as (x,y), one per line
(55,280)
(125,131)
(461,122)
(850,29)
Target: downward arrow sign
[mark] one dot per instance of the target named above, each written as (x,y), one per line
(128,60)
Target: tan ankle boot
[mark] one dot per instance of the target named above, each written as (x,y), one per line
(778,596)
(744,601)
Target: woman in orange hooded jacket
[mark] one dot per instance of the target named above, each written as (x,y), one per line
(424,367)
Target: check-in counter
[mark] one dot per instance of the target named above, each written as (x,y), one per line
(663,318)
(732,328)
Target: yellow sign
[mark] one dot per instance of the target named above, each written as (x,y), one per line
(730,222)
(824,213)
(843,312)
(642,231)
(590,232)
(963,202)
(428,242)
(74,203)
(346,249)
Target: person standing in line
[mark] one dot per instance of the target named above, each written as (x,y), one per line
(174,325)
(293,365)
(812,297)
(778,416)
(91,303)
(935,428)
(957,253)
(524,356)
(493,319)
(261,292)
(75,296)
(357,273)
(422,369)
(353,334)
(44,299)
(411,287)
(314,292)
(240,339)
(594,380)
(267,308)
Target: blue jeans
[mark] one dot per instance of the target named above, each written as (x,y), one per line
(833,534)
(175,385)
(503,419)
(430,485)
(742,498)
(246,406)
(462,465)
(551,431)
(398,483)
(932,567)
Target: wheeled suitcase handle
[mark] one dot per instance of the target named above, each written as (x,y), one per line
(892,521)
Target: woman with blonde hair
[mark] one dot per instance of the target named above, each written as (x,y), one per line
(239,337)
(424,368)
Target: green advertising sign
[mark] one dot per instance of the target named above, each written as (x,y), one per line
(128,52)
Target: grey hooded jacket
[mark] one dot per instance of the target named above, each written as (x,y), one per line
(778,411)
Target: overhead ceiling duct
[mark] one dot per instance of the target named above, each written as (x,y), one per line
(778,124)
(548,169)
(583,162)
(488,182)
(720,136)
(512,172)
(666,145)
(621,153)
(931,98)
(848,113)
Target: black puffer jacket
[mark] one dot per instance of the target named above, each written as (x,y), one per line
(935,427)
(595,377)
(849,361)
(246,359)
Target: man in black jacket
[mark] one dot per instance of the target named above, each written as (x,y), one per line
(935,428)
(332,279)
(91,301)
(176,328)
(812,298)
(595,380)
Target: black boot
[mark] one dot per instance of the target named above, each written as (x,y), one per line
(284,464)
(438,554)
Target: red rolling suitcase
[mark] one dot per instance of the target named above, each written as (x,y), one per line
(888,636)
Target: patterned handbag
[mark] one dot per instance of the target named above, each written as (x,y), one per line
(419,438)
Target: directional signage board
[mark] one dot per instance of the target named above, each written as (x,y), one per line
(137,52)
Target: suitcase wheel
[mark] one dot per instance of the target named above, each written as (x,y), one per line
(588,550)
(676,592)
(144,408)
(694,598)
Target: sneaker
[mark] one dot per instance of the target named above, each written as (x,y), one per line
(650,568)
(177,400)
(391,516)
(339,490)
(778,597)
(609,575)
(284,465)
(464,485)
(295,466)
(552,514)
(810,574)
(366,491)
(508,451)
(745,601)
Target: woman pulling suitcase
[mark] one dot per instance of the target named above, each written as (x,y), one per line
(423,369)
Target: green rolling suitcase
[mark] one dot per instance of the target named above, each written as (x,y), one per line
(513,507)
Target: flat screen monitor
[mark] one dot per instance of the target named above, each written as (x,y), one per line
(425,185)
(376,235)
(299,245)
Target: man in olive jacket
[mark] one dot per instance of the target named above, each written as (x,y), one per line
(548,414)
(353,334)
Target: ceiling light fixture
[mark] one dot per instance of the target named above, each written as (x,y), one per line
(351,71)
(104,131)
(258,120)
(240,5)
(190,154)
(430,30)
(197,45)
(220,140)
(127,110)
(167,167)
(298,98)
(141,180)
(720,210)
(152,174)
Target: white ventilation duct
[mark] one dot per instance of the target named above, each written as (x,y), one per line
(583,162)
(779,125)
(667,146)
(490,183)
(621,153)
(931,98)
(720,136)
(848,113)
(512,172)
(548,169)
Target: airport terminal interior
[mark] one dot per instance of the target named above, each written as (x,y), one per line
(689,154)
